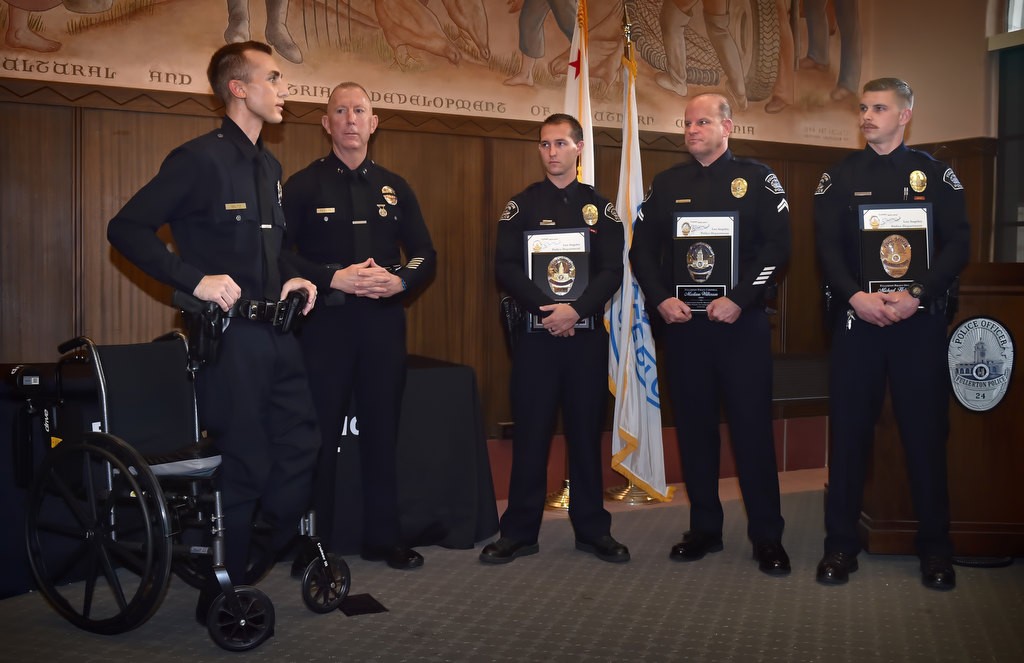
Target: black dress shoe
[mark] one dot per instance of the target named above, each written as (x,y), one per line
(835,568)
(772,558)
(695,545)
(605,548)
(937,572)
(399,557)
(505,550)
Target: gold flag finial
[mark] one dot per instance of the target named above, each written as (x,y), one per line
(627,32)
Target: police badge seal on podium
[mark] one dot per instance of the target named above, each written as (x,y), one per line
(558,262)
(705,257)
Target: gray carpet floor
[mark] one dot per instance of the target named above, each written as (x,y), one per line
(564,605)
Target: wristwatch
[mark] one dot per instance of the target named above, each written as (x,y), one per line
(915,290)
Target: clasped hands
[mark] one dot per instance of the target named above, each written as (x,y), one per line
(884,308)
(367,279)
(722,309)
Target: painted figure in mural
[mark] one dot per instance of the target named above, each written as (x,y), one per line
(675,15)
(894,338)
(220,196)
(532,14)
(470,17)
(410,24)
(20,35)
(276,30)
(783,90)
(353,220)
(561,363)
(848,20)
(721,356)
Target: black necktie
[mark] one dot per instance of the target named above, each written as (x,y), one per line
(361,246)
(270,239)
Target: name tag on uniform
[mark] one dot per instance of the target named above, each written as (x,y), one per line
(862,193)
(325,210)
(683,200)
(234,206)
(547,222)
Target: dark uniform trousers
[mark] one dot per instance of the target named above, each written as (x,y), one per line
(358,349)
(255,402)
(548,372)
(711,364)
(912,354)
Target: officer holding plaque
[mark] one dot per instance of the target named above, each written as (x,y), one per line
(709,240)
(559,255)
(892,236)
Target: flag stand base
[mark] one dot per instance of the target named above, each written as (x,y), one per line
(629,494)
(559,499)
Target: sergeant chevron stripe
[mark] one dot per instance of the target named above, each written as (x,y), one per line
(414,263)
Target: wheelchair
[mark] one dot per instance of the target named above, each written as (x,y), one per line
(125,497)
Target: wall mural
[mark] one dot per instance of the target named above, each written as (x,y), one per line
(495,58)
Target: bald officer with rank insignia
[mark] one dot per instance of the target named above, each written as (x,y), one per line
(352,220)
(718,344)
(559,255)
(894,334)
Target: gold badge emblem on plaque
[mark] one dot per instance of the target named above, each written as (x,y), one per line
(561,274)
(739,187)
(895,255)
(918,181)
(589,215)
(700,261)
(389,195)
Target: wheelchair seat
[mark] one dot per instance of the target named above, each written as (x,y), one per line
(146,397)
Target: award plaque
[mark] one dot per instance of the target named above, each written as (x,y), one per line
(895,245)
(558,262)
(705,257)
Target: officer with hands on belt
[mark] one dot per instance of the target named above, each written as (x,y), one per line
(350,220)
(723,355)
(562,363)
(220,195)
(897,337)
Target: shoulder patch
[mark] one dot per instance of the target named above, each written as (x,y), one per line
(949,177)
(609,211)
(511,209)
(773,184)
(823,184)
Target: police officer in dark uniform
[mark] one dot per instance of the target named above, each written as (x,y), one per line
(351,219)
(723,355)
(564,362)
(220,195)
(895,337)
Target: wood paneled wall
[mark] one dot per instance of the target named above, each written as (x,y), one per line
(72,155)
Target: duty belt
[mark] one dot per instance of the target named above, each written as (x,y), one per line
(259,310)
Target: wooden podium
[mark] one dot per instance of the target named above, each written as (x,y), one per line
(986,449)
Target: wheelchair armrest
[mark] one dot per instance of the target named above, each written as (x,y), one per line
(74,344)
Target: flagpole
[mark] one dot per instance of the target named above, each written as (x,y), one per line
(630,493)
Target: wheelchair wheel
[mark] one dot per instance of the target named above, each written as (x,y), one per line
(96,514)
(246,630)
(324,589)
